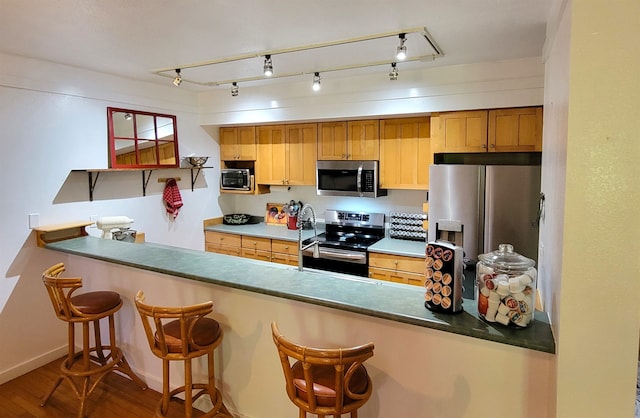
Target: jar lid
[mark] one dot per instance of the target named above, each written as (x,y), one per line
(504,258)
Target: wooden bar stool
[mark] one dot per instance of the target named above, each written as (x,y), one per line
(85,369)
(337,377)
(181,334)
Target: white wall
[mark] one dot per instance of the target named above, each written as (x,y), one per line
(590,230)
(54,120)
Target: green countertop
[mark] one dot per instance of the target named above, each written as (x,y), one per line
(395,302)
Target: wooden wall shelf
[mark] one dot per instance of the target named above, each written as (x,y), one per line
(93,174)
(59,232)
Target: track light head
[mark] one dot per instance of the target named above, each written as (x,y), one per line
(268,66)
(401,50)
(178,79)
(316,82)
(234,89)
(393,75)
(127,116)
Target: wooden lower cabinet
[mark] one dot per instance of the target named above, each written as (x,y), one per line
(396,268)
(284,252)
(257,248)
(223,243)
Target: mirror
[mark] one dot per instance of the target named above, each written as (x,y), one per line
(141,139)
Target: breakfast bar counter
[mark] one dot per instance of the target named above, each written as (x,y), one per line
(389,301)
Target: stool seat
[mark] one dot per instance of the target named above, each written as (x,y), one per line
(96,302)
(204,333)
(324,381)
(180,334)
(85,369)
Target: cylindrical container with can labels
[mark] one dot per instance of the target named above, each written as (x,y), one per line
(506,287)
(443,277)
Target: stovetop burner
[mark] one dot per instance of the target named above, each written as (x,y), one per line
(350,230)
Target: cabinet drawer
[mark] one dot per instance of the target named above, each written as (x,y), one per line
(255,243)
(222,238)
(397,263)
(396,276)
(256,254)
(224,249)
(282,258)
(285,247)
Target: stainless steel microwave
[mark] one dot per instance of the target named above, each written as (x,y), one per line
(235,179)
(348,178)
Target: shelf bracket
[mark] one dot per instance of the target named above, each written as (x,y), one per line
(145,181)
(92,184)
(193,179)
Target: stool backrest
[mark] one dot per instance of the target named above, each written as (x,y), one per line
(346,361)
(154,317)
(60,290)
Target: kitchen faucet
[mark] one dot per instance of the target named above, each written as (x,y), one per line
(306,207)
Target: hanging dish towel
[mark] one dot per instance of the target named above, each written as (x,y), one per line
(172,198)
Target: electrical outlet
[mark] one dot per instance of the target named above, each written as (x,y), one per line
(34,220)
(93,219)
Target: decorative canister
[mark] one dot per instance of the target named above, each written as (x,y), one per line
(506,287)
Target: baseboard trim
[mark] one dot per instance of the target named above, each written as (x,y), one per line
(32,364)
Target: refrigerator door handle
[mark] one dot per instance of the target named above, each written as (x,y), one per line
(536,222)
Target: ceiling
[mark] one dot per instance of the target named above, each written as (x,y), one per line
(136,39)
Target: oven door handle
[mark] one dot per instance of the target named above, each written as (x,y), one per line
(359,257)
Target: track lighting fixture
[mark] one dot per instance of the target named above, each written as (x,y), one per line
(401,50)
(316,82)
(234,89)
(268,66)
(127,116)
(178,79)
(393,75)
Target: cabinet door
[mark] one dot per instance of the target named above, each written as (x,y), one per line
(462,132)
(270,164)
(238,143)
(515,129)
(301,154)
(363,140)
(405,153)
(332,141)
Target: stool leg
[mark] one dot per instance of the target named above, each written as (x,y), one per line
(98,340)
(165,387)
(188,386)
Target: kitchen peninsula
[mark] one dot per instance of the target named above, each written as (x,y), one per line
(412,342)
(350,293)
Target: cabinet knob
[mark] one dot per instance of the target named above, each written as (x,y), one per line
(492,145)
(343,156)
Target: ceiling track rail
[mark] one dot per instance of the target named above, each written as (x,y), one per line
(169,72)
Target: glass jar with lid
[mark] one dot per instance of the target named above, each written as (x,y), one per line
(506,287)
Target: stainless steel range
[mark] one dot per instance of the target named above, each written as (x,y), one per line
(343,247)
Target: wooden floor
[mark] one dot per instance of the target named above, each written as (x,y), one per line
(115,396)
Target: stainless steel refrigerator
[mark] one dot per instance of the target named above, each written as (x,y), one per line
(481,206)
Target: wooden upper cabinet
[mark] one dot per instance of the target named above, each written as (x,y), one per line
(462,132)
(287,154)
(332,141)
(498,130)
(517,129)
(363,139)
(270,164)
(238,143)
(405,153)
(352,140)
(301,154)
